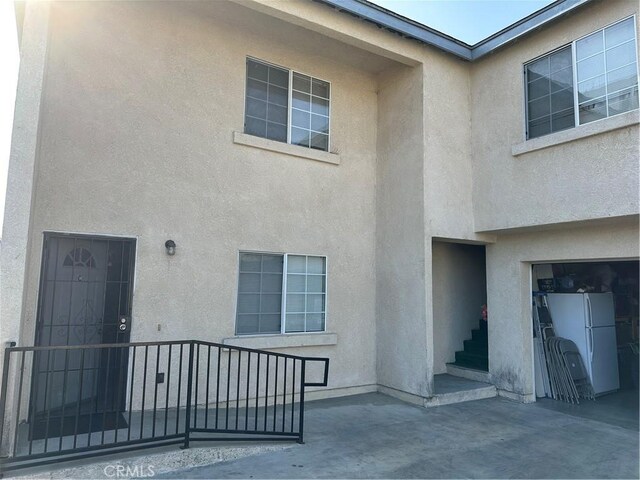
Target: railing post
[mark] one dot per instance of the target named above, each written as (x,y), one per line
(3,393)
(301,427)
(187,416)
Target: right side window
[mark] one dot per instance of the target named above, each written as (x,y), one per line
(593,78)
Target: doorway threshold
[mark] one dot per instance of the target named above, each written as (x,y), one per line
(450,389)
(468,373)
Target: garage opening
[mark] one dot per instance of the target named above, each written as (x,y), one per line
(585,328)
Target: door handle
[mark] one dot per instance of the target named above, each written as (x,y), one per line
(590,345)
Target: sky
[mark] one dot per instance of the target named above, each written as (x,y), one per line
(466,20)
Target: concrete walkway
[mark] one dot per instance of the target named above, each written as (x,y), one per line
(375,436)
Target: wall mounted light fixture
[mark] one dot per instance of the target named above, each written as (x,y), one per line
(170,245)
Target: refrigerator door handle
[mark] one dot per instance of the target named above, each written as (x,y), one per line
(589,312)
(590,337)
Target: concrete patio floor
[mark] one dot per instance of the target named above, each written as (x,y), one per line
(376,436)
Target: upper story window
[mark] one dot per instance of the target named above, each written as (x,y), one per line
(286,106)
(281,293)
(593,78)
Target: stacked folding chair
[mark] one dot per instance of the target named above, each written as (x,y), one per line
(566,375)
(578,372)
(541,319)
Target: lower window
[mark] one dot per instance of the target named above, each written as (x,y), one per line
(281,293)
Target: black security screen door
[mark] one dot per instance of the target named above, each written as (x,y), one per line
(85,298)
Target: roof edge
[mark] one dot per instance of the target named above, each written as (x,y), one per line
(401,25)
(411,29)
(523,26)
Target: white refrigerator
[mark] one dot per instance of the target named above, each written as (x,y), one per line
(588,319)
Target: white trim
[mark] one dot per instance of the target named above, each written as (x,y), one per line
(576,107)
(289,106)
(525,102)
(606,75)
(283,309)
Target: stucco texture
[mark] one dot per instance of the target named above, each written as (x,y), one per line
(401,257)
(595,177)
(509,289)
(140,104)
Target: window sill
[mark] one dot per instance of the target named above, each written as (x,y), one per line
(289,340)
(286,148)
(583,131)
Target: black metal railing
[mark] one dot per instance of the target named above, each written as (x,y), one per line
(76,401)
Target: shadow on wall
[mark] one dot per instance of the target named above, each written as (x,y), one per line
(459,291)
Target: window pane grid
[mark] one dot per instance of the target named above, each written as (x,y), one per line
(633,87)
(275,99)
(266,101)
(603,68)
(262,307)
(306,299)
(312,95)
(613,79)
(605,50)
(549,93)
(259,307)
(275,123)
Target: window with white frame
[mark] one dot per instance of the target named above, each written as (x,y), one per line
(592,78)
(286,106)
(262,306)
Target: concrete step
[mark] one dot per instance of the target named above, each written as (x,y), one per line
(476,346)
(479,335)
(449,389)
(468,373)
(472,360)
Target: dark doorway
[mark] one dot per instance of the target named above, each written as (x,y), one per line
(85,299)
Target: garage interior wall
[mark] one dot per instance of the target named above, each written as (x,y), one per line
(459,290)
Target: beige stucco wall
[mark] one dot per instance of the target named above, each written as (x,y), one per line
(139,108)
(20,195)
(22,166)
(401,254)
(595,177)
(509,289)
(459,290)
(448,150)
